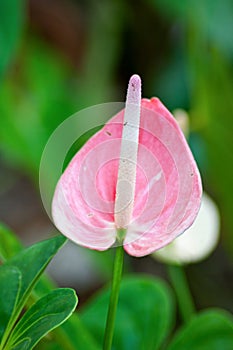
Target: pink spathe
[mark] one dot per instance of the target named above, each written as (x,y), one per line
(166,185)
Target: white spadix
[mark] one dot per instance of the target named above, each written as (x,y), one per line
(125,189)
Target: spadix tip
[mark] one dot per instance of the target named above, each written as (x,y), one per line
(134,90)
(135,81)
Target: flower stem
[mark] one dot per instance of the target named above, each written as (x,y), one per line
(117,273)
(183,294)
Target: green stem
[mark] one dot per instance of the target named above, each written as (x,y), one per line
(117,273)
(183,294)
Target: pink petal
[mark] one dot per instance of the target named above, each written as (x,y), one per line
(173,199)
(77,230)
(83,203)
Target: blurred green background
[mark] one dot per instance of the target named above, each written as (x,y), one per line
(59,56)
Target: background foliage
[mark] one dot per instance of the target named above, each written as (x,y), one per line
(58,56)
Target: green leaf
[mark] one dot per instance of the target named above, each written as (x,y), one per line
(144,315)
(23,345)
(45,315)
(9,243)
(31,262)
(10,246)
(212,329)
(71,335)
(11,25)
(10,279)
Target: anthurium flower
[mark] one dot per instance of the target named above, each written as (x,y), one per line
(198,241)
(135,182)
